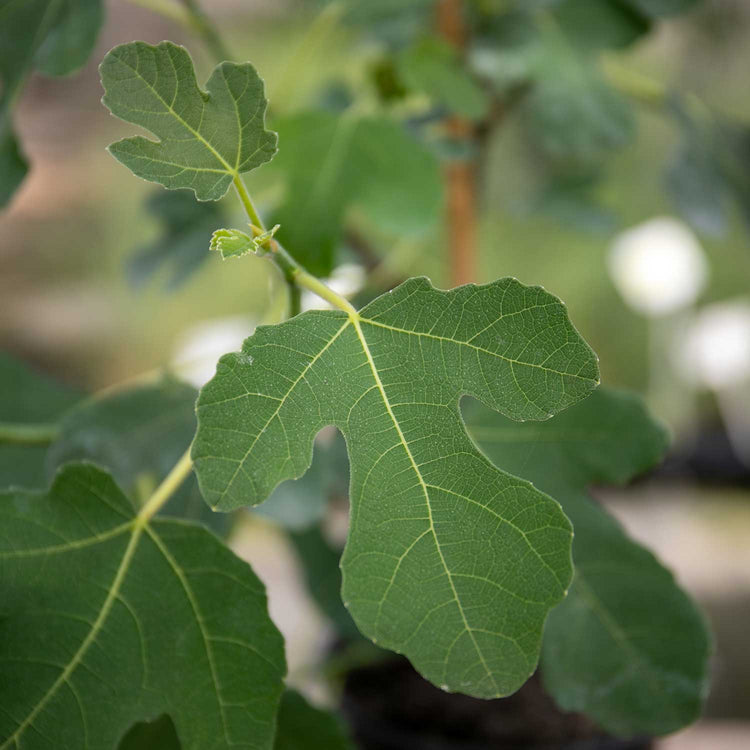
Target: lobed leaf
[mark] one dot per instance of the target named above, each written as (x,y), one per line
(206,139)
(627,645)
(449,560)
(138,619)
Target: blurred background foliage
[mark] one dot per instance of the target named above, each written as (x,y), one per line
(585,118)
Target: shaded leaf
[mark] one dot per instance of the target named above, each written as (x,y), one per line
(53,36)
(441,543)
(432,66)
(320,566)
(28,398)
(159,734)
(573,113)
(600,24)
(298,504)
(333,163)
(627,645)
(138,435)
(206,139)
(304,727)
(661,8)
(139,619)
(182,246)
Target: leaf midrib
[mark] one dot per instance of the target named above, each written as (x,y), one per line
(423,485)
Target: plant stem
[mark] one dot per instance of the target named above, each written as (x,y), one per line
(28,434)
(460,177)
(205,27)
(294,273)
(166,489)
(168,10)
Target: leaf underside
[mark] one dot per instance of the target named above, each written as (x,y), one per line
(206,139)
(449,560)
(627,645)
(107,621)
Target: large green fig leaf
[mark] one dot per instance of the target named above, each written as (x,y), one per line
(449,560)
(206,139)
(34,403)
(53,36)
(332,164)
(109,619)
(627,645)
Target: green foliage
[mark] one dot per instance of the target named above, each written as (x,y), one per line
(138,434)
(52,36)
(186,228)
(627,645)
(431,518)
(303,727)
(28,399)
(158,734)
(232,243)
(139,618)
(333,164)
(433,67)
(206,138)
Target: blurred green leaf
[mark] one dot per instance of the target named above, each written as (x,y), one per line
(182,246)
(432,66)
(28,398)
(138,435)
(600,24)
(298,504)
(661,8)
(159,734)
(301,726)
(139,618)
(320,563)
(573,114)
(334,163)
(206,139)
(627,645)
(52,36)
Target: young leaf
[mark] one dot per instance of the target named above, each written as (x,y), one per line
(304,727)
(28,400)
(332,164)
(232,243)
(206,139)
(181,245)
(139,619)
(449,560)
(53,36)
(627,646)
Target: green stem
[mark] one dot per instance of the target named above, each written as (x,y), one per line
(168,10)
(293,272)
(205,27)
(180,472)
(295,300)
(28,434)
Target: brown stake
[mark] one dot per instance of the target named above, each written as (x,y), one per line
(460,175)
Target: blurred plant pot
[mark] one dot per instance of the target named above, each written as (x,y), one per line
(390,707)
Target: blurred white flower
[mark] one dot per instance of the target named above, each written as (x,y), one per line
(715,350)
(658,267)
(346,280)
(199,347)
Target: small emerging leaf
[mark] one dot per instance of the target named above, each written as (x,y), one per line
(108,621)
(206,139)
(232,243)
(449,560)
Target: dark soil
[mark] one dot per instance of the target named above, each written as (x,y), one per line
(390,707)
